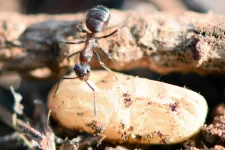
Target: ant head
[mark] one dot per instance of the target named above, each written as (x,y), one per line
(82,71)
(97,18)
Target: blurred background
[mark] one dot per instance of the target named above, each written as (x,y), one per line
(211,87)
(73,6)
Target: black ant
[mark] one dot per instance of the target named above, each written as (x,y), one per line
(97,19)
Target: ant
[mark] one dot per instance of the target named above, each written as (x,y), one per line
(97,19)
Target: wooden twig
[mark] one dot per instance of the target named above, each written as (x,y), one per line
(43,140)
(164,42)
(173,5)
(9,137)
(42,115)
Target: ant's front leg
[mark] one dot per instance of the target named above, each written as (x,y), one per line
(103,65)
(79,42)
(62,78)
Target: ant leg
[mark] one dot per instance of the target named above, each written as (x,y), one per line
(101,140)
(106,36)
(14,43)
(56,90)
(81,29)
(103,65)
(94,97)
(68,57)
(107,54)
(79,42)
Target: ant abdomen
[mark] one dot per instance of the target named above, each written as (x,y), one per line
(97,18)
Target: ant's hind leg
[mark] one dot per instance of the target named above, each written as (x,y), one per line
(107,54)
(94,97)
(62,78)
(103,65)
(81,29)
(14,43)
(115,31)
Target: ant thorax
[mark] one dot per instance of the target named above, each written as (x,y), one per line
(85,56)
(87,53)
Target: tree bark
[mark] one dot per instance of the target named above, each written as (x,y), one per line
(164,42)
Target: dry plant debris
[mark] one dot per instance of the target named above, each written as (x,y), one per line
(27,133)
(130,109)
(215,132)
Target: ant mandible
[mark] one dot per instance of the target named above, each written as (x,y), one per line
(97,19)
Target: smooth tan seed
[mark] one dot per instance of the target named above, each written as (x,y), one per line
(130,109)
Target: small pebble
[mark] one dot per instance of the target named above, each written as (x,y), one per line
(130,109)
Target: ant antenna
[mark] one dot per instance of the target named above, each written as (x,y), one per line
(94,96)
(159,77)
(87,84)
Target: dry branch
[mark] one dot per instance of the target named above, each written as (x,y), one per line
(164,42)
(45,141)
